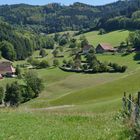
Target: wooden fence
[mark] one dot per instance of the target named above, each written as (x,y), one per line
(131,106)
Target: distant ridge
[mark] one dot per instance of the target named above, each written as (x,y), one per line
(55,17)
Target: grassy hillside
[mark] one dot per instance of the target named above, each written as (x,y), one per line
(75,106)
(79,88)
(114,38)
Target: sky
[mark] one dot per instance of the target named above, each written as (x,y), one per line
(66,2)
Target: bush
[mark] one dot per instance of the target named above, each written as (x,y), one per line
(72,45)
(34,82)
(1,94)
(27,93)
(55,53)
(96,69)
(103,68)
(18,71)
(118,68)
(13,94)
(55,62)
(101,32)
(44,64)
(123,68)
(33,62)
(85,67)
(43,52)
(70,64)
(63,42)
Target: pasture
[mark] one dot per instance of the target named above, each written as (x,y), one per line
(75,106)
(114,38)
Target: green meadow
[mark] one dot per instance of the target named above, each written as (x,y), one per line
(76,106)
(114,38)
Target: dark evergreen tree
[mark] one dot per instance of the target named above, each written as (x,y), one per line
(7,50)
(13,94)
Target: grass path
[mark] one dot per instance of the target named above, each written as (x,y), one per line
(51,108)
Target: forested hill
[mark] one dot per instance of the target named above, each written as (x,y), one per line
(18,44)
(55,17)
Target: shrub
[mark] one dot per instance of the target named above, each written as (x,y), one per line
(64,62)
(70,63)
(55,62)
(103,68)
(34,82)
(1,94)
(118,68)
(43,52)
(13,94)
(18,71)
(123,68)
(85,67)
(33,62)
(72,45)
(27,93)
(44,64)
(101,31)
(63,42)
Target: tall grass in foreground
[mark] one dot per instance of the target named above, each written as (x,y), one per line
(15,125)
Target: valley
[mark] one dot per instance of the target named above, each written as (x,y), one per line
(75,105)
(70,72)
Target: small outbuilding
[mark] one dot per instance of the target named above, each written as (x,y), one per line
(104,47)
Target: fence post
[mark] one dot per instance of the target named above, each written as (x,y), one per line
(129,104)
(137,109)
(136,112)
(139,98)
(124,100)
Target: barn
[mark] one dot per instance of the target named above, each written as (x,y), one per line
(104,47)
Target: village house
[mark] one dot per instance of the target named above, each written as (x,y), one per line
(6,68)
(104,47)
(86,49)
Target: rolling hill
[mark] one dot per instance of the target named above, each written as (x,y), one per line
(75,106)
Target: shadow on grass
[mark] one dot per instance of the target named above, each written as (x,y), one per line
(137,56)
(125,54)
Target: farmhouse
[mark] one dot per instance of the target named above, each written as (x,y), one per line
(86,49)
(104,47)
(6,68)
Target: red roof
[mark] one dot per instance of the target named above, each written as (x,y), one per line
(6,67)
(107,46)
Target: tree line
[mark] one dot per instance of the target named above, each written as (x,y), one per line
(18,44)
(55,17)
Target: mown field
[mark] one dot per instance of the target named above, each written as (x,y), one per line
(76,106)
(114,38)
